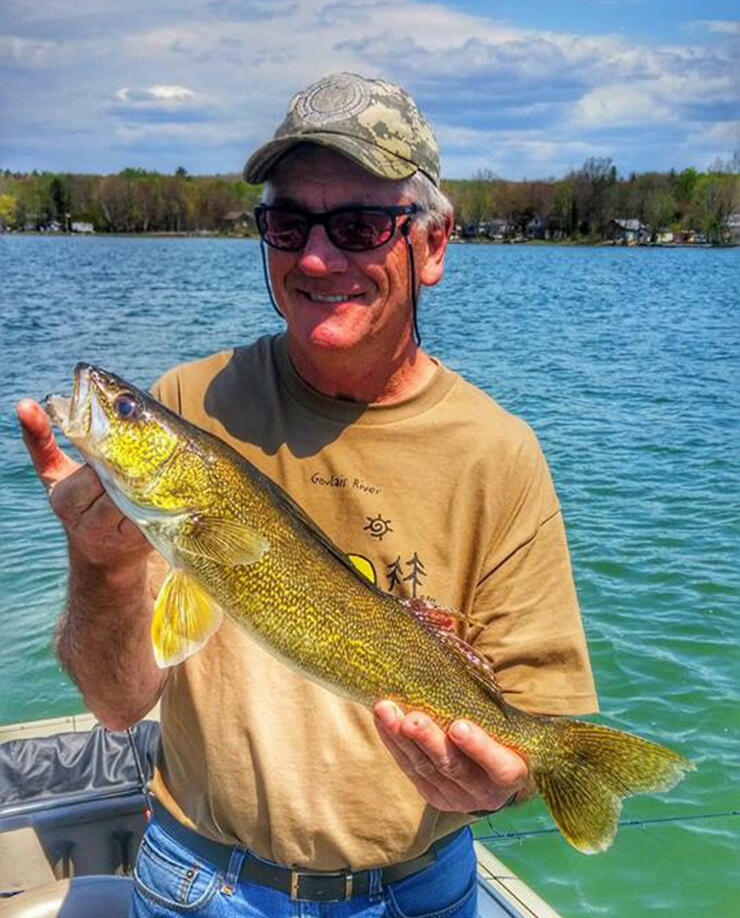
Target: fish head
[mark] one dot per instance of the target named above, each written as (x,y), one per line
(120,429)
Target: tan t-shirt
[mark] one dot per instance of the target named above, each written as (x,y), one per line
(443,495)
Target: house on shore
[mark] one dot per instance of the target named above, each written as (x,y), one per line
(237,223)
(536,228)
(627,230)
(732,224)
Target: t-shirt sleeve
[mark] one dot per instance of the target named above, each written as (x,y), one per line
(167,390)
(526,610)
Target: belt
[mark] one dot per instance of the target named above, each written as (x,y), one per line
(300,885)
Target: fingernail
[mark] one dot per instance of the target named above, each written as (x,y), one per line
(460,730)
(388,712)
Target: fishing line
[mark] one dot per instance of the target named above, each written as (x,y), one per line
(625,822)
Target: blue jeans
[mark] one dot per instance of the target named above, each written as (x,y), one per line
(170,881)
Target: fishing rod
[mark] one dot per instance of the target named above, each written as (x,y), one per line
(498,836)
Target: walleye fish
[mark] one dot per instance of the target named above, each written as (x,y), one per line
(238,544)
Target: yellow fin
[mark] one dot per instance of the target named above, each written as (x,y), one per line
(224,541)
(184,619)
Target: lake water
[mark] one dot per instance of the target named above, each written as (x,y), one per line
(625,361)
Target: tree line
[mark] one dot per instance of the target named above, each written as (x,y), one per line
(584,204)
(580,206)
(132,201)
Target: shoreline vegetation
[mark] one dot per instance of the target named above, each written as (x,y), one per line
(455,239)
(592,205)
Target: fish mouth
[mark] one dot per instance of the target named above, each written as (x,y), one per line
(72,413)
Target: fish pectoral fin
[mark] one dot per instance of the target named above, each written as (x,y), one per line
(227,542)
(185,617)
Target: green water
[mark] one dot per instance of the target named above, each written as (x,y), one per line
(626,364)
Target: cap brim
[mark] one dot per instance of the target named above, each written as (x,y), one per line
(367,156)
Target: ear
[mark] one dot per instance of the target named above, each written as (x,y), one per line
(431,254)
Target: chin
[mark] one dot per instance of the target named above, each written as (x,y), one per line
(331,336)
(328,341)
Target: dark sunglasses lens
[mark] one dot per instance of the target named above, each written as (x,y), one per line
(283,229)
(359,229)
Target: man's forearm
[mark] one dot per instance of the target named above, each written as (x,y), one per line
(103,641)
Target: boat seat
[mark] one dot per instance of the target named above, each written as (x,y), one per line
(81,897)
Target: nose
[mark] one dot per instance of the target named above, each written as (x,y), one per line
(320,256)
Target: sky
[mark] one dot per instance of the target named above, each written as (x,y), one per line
(520,88)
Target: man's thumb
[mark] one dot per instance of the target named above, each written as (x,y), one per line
(50,462)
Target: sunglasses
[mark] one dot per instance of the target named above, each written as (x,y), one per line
(353,228)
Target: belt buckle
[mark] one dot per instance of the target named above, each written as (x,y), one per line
(295,885)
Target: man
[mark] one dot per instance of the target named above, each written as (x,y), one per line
(427,484)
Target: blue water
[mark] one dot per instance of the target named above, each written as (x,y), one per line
(625,361)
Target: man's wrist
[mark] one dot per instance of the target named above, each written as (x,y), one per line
(120,574)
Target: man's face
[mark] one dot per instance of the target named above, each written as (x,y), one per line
(334,300)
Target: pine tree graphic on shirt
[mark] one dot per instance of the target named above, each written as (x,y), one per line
(416,575)
(418,572)
(394,572)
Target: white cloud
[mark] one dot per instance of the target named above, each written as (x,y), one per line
(723,134)
(22,52)
(720,26)
(162,93)
(217,76)
(619,104)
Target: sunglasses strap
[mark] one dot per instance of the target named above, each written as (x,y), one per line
(405,232)
(267,278)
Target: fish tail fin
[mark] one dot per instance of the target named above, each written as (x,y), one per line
(591,769)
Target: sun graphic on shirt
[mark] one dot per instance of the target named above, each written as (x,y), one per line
(377,526)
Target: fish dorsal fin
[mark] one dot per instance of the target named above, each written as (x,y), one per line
(434,615)
(441,622)
(185,617)
(227,542)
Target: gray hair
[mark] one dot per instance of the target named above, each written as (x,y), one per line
(421,189)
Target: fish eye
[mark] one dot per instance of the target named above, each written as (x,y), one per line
(125,406)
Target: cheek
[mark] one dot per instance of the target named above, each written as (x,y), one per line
(390,277)
(279,264)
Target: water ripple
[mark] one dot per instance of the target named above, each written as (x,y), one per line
(624,362)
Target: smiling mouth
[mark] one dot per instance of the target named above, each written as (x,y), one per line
(326,298)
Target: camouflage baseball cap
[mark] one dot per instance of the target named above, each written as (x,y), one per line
(372,122)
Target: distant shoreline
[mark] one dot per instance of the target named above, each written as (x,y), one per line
(566,243)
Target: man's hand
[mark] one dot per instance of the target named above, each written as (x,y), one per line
(103,639)
(461,771)
(98,532)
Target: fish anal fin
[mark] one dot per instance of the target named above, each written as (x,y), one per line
(227,542)
(185,617)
